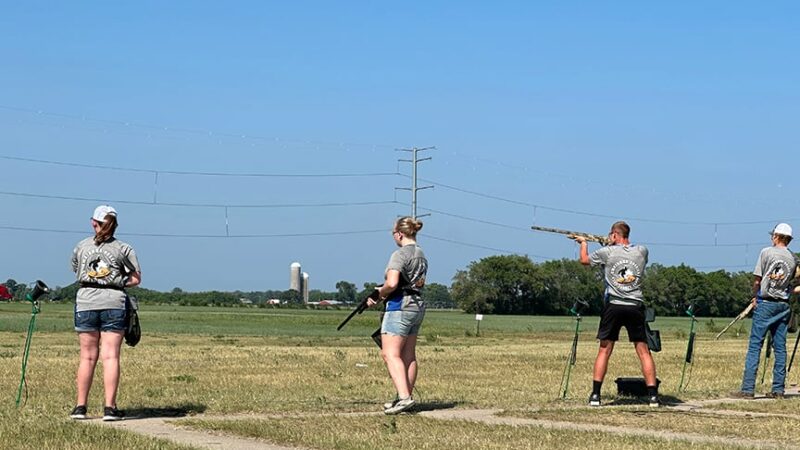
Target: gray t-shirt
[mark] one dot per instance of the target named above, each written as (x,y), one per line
(623,267)
(776,267)
(105,267)
(410,261)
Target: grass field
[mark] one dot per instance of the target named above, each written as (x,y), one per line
(217,361)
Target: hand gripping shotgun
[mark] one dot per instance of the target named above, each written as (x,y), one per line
(360,307)
(602,240)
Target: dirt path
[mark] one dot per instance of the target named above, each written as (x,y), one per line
(165,429)
(489,417)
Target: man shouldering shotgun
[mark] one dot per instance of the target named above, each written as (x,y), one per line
(623,266)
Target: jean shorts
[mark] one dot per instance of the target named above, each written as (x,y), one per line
(100,320)
(402,323)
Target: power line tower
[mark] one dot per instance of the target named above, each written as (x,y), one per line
(414,188)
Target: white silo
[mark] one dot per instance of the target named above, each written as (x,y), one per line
(295,277)
(305,287)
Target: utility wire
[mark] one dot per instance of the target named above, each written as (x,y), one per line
(203,236)
(194,131)
(199,173)
(527,230)
(591,214)
(467,244)
(200,205)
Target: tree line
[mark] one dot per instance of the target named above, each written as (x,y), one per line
(513,284)
(500,284)
(346,292)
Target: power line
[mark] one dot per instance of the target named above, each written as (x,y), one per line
(527,230)
(591,214)
(202,236)
(467,244)
(193,131)
(200,205)
(199,173)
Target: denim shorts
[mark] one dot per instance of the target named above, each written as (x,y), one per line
(402,323)
(100,320)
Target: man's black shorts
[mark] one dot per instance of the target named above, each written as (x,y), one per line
(615,317)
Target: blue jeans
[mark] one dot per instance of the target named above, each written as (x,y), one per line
(402,323)
(769,317)
(100,320)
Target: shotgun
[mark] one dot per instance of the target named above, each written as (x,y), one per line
(741,316)
(602,240)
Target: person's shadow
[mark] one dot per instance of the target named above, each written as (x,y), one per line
(666,400)
(434,405)
(186,409)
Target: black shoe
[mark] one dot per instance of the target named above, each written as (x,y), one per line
(79,412)
(594,400)
(111,413)
(775,395)
(653,401)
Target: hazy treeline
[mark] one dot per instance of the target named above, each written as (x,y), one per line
(501,284)
(437,294)
(512,284)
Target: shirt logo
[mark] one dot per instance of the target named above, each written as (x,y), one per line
(777,279)
(625,275)
(99,266)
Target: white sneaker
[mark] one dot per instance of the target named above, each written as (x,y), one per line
(404,404)
(388,405)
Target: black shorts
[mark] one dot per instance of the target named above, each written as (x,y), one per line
(615,317)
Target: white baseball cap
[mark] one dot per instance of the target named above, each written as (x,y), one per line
(782,228)
(102,211)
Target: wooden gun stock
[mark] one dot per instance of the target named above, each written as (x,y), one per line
(741,316)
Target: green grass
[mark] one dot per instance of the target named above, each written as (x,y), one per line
(250,360)
(322,323)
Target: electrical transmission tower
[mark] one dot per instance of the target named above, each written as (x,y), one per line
(414,188)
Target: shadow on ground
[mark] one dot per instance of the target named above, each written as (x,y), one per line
(642,401)
(186,409)
(433,406)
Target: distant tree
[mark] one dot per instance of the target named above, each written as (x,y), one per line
(564,282)
(345,292)
(315,295)
(503,284)
(438,295)
(368,288)
(11,285)
(291,296)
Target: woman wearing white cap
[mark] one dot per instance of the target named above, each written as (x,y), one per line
(774,271)
(104,267)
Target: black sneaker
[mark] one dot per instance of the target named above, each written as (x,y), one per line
(111,413)
(594,400)
(79,412)
(653,401)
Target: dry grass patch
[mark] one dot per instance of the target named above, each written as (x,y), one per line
(776,429)
(414,432)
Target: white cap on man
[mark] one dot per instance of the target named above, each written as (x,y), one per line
(102,211)
(783,228)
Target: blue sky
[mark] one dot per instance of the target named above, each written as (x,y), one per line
(679,117)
